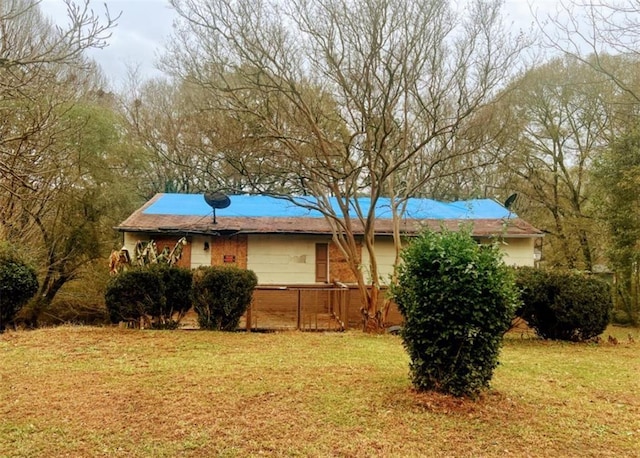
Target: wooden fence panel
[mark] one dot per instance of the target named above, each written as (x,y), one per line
(309,308)
(274,309)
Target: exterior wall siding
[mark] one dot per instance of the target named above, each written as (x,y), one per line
(200,254)
(284,259)
(131,238)
(385,256)
(517,252)
(290,259)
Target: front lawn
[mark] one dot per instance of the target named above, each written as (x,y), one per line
(82,391)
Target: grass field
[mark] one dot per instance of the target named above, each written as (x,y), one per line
(88,392)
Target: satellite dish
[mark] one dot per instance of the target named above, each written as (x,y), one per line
(510,200)
(216,200)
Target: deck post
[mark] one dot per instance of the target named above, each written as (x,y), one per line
(248,316)
(299,309)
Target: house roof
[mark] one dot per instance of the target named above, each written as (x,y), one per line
(189,213)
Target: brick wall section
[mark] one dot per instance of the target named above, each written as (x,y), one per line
(338,267)
(222,247)
(170,242)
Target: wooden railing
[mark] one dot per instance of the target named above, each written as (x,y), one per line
(311,307)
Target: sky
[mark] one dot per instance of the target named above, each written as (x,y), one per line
(146,25)
(142,30)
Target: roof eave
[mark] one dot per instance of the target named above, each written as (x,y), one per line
(195,231)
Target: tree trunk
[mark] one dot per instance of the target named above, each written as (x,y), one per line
(43,300)
(372,320)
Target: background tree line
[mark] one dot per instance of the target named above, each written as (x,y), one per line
(331,98)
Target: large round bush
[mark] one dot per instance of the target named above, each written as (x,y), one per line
(133,294)
(564,305)
(457,299)
(18,284)
(222,295)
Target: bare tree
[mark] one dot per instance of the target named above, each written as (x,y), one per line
(554,122)
(36,58)
(27,38)
(346,97)
(186,146)
(593,31)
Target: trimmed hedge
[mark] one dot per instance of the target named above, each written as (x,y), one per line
(222,295)
(563,305)
(133,294)
(158,291)
(177,285)
(457,299)
(18,284)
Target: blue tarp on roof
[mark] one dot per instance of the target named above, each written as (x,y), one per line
(256,206)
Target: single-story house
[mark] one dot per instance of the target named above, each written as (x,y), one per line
(290,247)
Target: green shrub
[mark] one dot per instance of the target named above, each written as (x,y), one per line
(564,305)
(222,295)
(178,295)
(161,292)
(132,294)
(18,284)
(457,299)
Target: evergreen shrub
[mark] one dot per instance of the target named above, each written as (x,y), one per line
(177,285)
(161,292)
(18,284)
(457,299)
(564,305)
(222,295)
(132,294)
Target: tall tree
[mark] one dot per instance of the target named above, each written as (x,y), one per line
(604,35)
(28,40)
(346,97)
(53,155)
(90,191)
(188,147)
(42,72)
(550,125)
(617,176)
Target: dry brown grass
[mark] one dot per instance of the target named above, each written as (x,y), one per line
(78,391)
